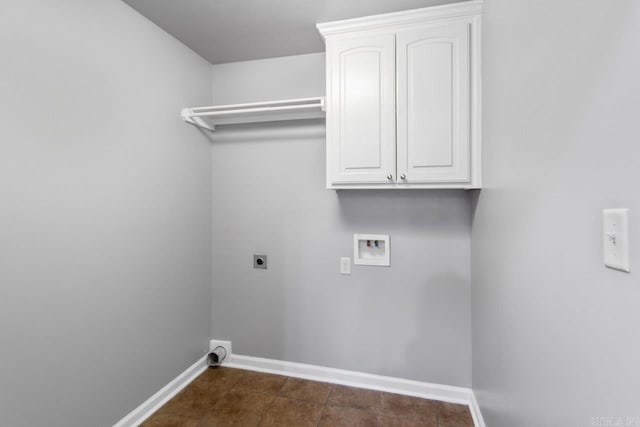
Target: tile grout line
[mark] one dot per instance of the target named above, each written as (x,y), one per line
(379,408)
(275,396)
(298,399)
(376,411)
(265,411)
(324,407)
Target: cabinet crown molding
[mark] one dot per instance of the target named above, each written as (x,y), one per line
(396,19)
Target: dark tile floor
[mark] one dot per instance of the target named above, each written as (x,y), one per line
(235,397)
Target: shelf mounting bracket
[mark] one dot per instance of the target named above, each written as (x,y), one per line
(187,116)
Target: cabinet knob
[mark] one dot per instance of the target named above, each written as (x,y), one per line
(389,177)
(403,176)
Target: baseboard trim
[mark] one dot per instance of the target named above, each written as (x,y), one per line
(475,411)
(152,404)
(445,393)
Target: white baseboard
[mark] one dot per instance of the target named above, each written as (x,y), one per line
(445,393)
(475,411)
(151,405)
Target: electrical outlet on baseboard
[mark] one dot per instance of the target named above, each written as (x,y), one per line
(226,344)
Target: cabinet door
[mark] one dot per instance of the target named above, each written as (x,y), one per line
(433,67)
(361,109)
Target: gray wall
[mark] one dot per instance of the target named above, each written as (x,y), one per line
(555,333)
(409,320)
(105,216)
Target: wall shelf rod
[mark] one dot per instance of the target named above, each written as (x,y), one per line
(270,111)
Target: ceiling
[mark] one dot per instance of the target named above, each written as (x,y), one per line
(237,30)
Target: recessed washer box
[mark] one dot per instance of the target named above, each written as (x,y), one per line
(371,249)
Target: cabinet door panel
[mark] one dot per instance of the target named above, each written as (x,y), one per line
(433,104)
(361,109)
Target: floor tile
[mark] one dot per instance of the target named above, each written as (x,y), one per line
(223,397)
(288,413)
(227,419)
(241,401)
(195,401)
(452,415)
(399,406)
(311,391)
(222,377)
(258,381)
(166,420)
(406,422)
(368,400)
(340,416)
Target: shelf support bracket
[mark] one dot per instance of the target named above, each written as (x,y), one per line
(187,116)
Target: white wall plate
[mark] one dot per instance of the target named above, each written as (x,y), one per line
(615,236)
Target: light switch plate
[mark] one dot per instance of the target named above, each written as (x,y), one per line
(615,237)
(345,265)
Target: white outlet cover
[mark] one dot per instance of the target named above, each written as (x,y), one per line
(615,238)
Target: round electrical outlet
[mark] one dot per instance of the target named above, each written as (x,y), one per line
(260,261)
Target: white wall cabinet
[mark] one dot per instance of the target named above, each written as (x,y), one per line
(403,99)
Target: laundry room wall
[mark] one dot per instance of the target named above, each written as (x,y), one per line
(105,213)
(409,320)
(555,332)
